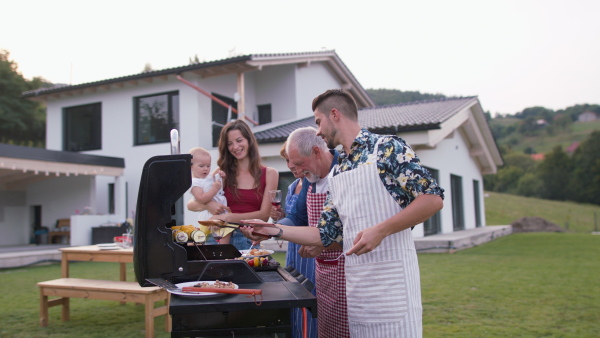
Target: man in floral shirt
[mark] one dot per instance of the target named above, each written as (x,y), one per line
(377,192)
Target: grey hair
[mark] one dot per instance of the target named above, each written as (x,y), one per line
(304,140)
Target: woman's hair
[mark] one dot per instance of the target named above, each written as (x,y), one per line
(228,163)
(282,151)
(304,140)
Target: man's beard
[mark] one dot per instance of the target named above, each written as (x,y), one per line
(312,178)
(330,138)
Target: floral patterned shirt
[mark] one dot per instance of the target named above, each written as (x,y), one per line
(400,171)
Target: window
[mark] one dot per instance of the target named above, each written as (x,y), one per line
(433,225)
(221,115)
(477,201)
(82,127)
(155,116)
(111,198)
(264,113)
(458,218)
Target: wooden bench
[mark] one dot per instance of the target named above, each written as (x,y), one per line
(66,288)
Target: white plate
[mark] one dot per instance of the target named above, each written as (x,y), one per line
(109,248)
(103,245)
(246,255)
(200,294)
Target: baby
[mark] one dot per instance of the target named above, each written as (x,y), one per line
(205,186)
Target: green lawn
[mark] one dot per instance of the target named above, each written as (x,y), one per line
(503,209)
(522,285)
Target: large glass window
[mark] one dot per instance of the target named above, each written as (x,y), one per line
(155,116)
(458,213)
(82,127)
(477,199)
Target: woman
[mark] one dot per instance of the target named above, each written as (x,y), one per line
(306,266)
(245,181)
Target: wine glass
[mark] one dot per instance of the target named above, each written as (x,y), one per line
(275,196)
(217,232)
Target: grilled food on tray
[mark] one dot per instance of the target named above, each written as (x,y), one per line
(217,285)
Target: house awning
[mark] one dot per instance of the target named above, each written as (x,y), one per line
(20,166)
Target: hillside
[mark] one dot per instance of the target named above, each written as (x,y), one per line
(503,209)
(543,142)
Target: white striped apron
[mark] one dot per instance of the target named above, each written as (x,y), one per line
(329,277)
(383,286)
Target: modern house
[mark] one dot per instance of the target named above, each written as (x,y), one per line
(130,118)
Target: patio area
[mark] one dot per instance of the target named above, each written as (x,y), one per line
(20,256)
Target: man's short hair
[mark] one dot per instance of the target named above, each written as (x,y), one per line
(304,140)
(339,99)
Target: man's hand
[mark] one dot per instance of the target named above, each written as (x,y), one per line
(255,237)
(277,213)
(309,251)
(366,241)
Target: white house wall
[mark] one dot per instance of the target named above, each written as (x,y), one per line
(311,81)
(14,218)
(61,197)
(451,157)
(276,85)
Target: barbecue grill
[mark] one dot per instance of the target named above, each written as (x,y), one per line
(157,256)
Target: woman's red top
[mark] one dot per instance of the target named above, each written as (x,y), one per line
(248,200)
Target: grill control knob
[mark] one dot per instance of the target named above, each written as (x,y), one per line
(180,269)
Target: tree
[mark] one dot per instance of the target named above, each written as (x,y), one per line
(147,68)
(22,121)
(383,97)
(556,174)
(194,60)
(507,179)
(586,182)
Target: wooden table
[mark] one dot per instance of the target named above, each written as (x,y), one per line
(92,253)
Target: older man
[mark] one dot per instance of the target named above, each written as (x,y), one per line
(377,192)
(309,154)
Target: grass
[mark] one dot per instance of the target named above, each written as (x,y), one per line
(522,285)
(501,209)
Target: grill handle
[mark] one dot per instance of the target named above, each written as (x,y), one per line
(219,290)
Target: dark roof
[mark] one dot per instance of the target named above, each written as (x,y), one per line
(40,154)
(411,116)
(230,63)
(174,70)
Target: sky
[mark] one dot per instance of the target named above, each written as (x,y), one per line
(511,54)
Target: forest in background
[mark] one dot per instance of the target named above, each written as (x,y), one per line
(560,175)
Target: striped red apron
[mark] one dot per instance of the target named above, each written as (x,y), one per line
(330,280)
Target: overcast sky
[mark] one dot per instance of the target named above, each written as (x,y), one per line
(511,54)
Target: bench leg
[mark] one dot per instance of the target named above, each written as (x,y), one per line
(168,321)
(149,318)
(66,309)
(43,308)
